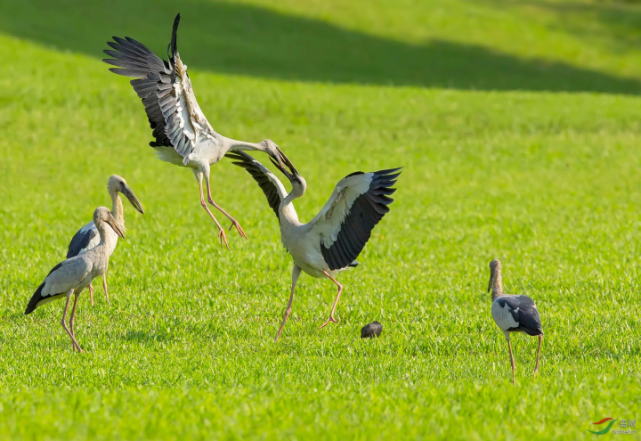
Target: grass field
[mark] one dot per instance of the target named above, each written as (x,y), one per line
(518,124)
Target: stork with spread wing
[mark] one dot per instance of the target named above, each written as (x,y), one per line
(332,241)
(183,136)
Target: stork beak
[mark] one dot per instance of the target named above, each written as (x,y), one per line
(113,224)
(489,285)
(129,194)
(289,164)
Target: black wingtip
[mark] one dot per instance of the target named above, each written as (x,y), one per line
(174,36)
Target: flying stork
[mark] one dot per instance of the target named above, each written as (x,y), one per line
(183,136)
(513,313)
(73,275)
(332,241)
(88,237)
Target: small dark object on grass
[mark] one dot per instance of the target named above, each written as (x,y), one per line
(372,330)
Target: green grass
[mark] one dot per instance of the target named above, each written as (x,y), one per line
(518,124)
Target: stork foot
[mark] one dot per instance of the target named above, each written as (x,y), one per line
(330,319)
(223,238)
(234,223)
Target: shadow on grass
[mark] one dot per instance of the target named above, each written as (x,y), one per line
(248,40)
(616,23)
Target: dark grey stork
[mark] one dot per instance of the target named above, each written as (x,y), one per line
(74,274)
(88,237)
(332,241)
(183,136)
(513,313)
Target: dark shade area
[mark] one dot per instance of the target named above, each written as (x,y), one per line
(248,40)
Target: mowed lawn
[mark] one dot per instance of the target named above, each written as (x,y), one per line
(518,125)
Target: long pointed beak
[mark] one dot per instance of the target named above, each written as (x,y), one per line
(112,222)
(129,194)
(489,285)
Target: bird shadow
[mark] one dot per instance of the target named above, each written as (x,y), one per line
(249,40)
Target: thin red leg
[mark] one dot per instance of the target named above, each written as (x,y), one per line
(91,293)
(234,222)
(64,325)
(221,231)
(73,314)
(538,352)
(338,296)
(104,285)
(509,345)
(295,274)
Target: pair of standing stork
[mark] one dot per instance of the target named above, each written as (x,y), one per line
(322,248)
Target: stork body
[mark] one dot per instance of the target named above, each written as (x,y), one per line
(183,136)
(76,273)
(88,237)
(330,242)
(513,313)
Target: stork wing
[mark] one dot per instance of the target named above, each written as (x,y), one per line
(85,239)
(272,187)
(345,223)
(165,90)
(65,276)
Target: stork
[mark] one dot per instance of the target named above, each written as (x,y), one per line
(74,274)
(183,136)
(330,242)
(513,313)
(87,237)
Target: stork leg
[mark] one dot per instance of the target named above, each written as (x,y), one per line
(509,345)
(538,352)
(338,296)
(91,293)
(221,230)
(104,285)
(234,222)
(295,274)
(64,325)
(73,314)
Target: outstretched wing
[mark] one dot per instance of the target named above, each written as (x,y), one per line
(165,90)
(345,223)
(272,187)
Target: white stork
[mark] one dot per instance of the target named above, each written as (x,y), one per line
(332,241)
(88,237)
(513,313)
(73,275)
(183,135)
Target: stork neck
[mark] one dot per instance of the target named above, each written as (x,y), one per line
(496,284)
(117,210)
(235,145)
(105,239)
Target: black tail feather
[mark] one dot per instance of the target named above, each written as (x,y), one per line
(35,298)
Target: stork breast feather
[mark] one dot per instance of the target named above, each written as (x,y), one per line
(347,191)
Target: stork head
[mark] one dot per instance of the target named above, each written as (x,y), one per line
(272,149)
(495,272)
(103,216)
(118,184)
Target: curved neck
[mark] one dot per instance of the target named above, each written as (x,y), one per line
(105,239)
(495,283)
(117,210)
(287,210)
